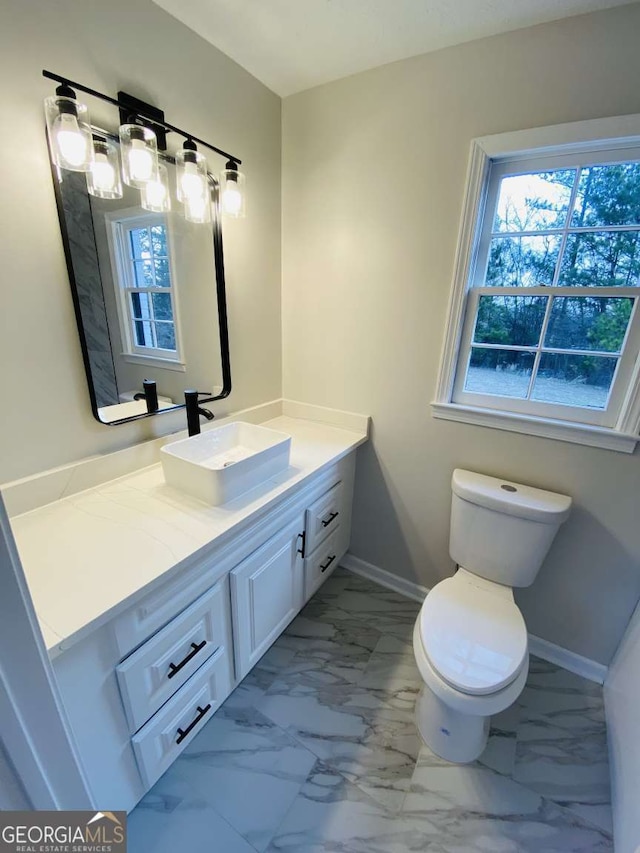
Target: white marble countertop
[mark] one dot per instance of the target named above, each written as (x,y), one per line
(84,556)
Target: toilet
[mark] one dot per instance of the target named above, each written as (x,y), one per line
(470,639)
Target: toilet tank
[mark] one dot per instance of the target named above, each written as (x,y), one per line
(501,530)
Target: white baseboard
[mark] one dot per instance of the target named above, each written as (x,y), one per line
(571,661)
(587,668)
(384,578)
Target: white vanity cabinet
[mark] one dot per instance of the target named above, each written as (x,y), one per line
(138,688)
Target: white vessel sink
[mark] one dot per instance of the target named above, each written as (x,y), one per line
(222,463)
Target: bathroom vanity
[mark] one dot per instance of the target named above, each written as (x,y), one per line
(154,605)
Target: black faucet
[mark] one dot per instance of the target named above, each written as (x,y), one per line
(150,394)
(194,410)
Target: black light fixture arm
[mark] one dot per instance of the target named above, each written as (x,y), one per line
(125,106)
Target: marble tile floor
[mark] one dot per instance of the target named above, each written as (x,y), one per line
(317,750)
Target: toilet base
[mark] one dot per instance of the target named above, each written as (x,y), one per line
(456,737)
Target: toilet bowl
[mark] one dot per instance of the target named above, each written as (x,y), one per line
(470,638)
(470,644)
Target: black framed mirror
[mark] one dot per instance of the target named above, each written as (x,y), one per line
(149,296)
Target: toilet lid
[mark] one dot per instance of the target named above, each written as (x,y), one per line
(475,638)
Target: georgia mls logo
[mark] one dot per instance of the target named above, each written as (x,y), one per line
(63,832)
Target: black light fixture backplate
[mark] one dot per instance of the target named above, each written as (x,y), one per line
(136,110)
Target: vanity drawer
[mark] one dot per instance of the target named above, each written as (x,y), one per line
(323,517)
(319,565)
(162,739)
(154,672)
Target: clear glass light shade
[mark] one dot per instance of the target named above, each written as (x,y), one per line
(139,150)
(232,194)
(155,195)
(69,131)
(198,208)
(191,176)
(103,177)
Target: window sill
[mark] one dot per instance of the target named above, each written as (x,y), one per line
(151,361)
(592,436)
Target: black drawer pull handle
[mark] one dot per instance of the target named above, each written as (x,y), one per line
(327,521)
(195,648)
(302,536)
(327,564)
(201,712)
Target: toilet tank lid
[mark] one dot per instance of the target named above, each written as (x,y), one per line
(511,498)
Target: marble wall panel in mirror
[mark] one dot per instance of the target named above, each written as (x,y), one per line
(145,291)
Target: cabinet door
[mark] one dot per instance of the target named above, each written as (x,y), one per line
(266,593)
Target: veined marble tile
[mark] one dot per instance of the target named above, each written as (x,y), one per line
(152,827)
(254,685)
(437,785)
(572,771)
(331,814)
(245,768)
(392,668)
(326,654)
(376,607)
(333,587)
(476,808)
(565,699)
(561,743)
(369,736)
(500,752)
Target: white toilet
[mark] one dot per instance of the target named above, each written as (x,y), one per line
(470,639)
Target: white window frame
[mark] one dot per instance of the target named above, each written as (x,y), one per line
(119,223)
(611,135)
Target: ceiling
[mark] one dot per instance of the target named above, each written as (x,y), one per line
(291,45)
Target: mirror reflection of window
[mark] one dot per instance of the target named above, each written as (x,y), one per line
(145,285)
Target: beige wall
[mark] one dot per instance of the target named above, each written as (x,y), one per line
(45,417)
(373,178)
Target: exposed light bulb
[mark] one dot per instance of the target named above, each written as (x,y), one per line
(71,141)
(155,193)
(232,195)
(191,182)
(104,175)
(197,209)
(69,131)
(140,161)
(192,187)
(139,152)
(231,200)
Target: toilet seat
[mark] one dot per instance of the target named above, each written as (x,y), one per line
(473,634)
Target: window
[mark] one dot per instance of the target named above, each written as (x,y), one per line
(548,325)
(144,286)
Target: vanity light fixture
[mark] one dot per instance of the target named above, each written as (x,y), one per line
(232,185)
(139,150)
(142,133)
(103,177)
(69,130)
(155,194)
